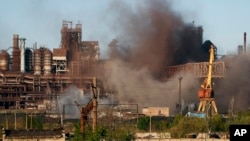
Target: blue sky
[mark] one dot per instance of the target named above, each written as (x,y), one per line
(223,21)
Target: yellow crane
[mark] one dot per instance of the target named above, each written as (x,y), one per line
(206,92)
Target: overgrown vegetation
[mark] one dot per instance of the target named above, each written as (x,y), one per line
(113,128)
(181,125)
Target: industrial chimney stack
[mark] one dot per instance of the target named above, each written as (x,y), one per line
(245,40)
(16,53)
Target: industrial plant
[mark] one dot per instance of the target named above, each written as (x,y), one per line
(33,79)
(32,75)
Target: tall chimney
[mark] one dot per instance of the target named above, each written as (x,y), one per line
(15,41)
(245,40)
(22,54)
(16,53)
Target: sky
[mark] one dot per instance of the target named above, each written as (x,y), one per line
(223,21)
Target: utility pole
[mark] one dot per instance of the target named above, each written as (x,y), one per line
(180,105)
(94,89)
(6,120)
(150,123)
(15,119)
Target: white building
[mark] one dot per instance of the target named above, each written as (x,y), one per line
(156,111)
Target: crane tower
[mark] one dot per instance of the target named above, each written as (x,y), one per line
(206,92)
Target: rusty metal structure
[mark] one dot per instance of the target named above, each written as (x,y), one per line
(90,106)
(199,70)
(31,75)
(16,53)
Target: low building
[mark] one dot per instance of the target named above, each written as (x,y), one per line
(33,135)
(156,111)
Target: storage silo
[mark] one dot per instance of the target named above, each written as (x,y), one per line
(37,60)
(28,60)
(22,54)
(4,60)
(47,62)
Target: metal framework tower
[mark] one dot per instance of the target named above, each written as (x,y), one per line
(206,93)
(71,38)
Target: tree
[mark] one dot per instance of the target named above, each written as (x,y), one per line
(143,123)
(97,135)
(78,136)
(217,124)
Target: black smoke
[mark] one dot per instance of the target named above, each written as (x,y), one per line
(152,35)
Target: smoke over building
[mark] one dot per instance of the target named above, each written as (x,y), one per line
(151,36)
(235,84)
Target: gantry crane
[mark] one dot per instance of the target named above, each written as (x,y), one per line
(91,106)
(206,92)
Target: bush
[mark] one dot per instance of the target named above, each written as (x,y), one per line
(143,123)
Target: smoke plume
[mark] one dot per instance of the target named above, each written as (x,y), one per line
(232,92)
(150,36)
(138,86)
(71,110)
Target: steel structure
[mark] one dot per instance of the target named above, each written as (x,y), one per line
(206,92)
(199,70)
(30,76)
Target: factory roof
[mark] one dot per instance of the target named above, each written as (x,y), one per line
(59,52)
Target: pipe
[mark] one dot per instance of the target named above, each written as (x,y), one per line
(22,47)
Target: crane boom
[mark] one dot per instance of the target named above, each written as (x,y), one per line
(206,93)
(209,76)
(206,90)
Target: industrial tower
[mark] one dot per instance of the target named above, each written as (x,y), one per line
(206,92)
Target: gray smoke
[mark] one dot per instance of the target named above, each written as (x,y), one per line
(235,84)
(139,86)
(72,94)
(150,37)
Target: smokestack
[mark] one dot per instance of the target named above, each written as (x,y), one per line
(16,53)
(245,36)
(15,41)
(22,47)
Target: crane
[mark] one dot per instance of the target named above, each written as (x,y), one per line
(206,92)
(84,111)
(91,106)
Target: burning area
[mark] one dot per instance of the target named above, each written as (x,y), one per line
(151,36)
